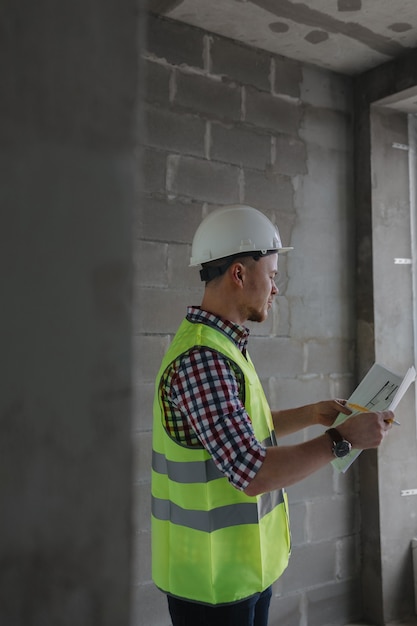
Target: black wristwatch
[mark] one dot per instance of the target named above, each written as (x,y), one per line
(341,447)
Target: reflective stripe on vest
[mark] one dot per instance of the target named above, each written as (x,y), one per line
(214,519)
(192,471)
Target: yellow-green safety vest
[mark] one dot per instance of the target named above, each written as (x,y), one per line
(211,543)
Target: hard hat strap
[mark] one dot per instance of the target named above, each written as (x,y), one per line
(208,272)
(213,271)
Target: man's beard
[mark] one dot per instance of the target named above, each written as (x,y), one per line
(254,315)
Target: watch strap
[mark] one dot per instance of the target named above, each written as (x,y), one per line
(334,435)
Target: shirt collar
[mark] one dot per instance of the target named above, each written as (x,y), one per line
(237,333)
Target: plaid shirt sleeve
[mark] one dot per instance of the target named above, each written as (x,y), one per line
(206,391)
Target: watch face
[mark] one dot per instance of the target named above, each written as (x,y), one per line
(342,448)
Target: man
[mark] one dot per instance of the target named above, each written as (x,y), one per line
(220,533)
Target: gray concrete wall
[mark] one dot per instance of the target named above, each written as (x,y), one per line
(394,329)
(227,123)
(385,332)
(68,111)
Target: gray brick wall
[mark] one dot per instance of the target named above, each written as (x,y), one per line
(228,123)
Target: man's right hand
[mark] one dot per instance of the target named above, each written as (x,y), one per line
(366,430)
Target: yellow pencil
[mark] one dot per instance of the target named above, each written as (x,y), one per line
(357,407)
(363,409)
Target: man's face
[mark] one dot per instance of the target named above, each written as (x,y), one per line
(260,287)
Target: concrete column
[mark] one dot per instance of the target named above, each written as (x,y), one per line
(385,330)
(68,120)
(397,457)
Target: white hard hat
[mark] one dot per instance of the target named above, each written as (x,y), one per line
(233,230)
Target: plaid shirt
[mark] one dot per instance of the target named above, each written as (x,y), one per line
(202,394)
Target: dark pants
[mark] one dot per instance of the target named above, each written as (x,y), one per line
(251,612)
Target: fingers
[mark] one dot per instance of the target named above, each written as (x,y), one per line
(341,406)
(388,419)
(384,421)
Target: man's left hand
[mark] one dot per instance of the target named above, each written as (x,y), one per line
(325,412)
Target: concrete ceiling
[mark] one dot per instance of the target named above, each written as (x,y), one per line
(346,36)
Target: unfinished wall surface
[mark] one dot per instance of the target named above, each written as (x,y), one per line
(226,124)
(386,327)
(397,462)
(68,172)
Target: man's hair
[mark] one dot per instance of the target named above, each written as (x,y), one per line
(214,269)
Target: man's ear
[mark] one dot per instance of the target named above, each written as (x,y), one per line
(237,272)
